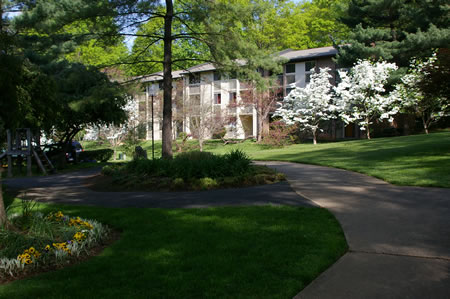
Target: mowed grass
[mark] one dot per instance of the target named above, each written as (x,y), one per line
(230,252)
(418,160)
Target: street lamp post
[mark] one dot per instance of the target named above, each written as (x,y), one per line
(152,93)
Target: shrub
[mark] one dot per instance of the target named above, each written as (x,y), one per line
(206,183)
(101,155)
(192,165)
(279,134)
(191,170)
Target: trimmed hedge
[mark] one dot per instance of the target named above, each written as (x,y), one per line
(101,155)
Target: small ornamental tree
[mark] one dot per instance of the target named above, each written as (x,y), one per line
(361,95)
(264,100)
(430,105)
(116,133)
(203,120)
(311,105)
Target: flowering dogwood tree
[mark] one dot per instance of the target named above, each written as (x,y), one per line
(311,105)
(117,133)
(361,94)
(430,107)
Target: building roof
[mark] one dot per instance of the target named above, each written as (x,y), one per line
(289,54)
(159,76)
(299,55)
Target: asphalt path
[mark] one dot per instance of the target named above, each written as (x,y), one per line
(72,188)
(399,237)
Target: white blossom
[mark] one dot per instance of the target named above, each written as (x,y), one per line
(310,105)
(361,93)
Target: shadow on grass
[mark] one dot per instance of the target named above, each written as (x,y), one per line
(263,252)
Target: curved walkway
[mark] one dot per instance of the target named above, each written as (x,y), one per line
(399,237)
(71,188)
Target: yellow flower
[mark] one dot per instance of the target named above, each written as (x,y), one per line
(31,250)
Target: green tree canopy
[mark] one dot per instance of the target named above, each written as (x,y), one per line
(394,30)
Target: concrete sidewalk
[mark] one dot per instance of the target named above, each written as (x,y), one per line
(399,237)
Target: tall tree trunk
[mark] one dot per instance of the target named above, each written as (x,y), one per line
(167,105)
(314,131)
(3,220)
(260,126)
(200,143)
(425,124)
(367,128)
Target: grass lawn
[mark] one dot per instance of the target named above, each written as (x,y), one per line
(232,252)
(418,160)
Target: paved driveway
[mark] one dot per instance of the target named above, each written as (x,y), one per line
(399,237)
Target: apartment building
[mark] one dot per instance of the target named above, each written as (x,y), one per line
(201,92)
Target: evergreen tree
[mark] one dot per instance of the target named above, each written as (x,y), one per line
(395,30)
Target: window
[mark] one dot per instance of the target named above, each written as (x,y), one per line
(289,77)
(309,67)
(233,98)
(161,84)
(217,99)
(290,68)
(307,78)
(217,76)
(194,78)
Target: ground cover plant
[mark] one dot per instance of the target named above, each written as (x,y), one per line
(187,171)
(228,252)
(34,241)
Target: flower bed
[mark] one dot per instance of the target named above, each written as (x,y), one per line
(39,241)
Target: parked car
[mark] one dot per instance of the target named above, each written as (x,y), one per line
(74,153)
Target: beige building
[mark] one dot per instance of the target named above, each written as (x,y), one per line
(202,95)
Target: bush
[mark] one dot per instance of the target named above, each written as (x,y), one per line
(190,171)
(206,184)
(279,134)
(101,155)
(191,165)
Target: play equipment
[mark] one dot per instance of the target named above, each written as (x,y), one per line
(24,144)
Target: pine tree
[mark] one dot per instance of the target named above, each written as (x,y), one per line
(395,30)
